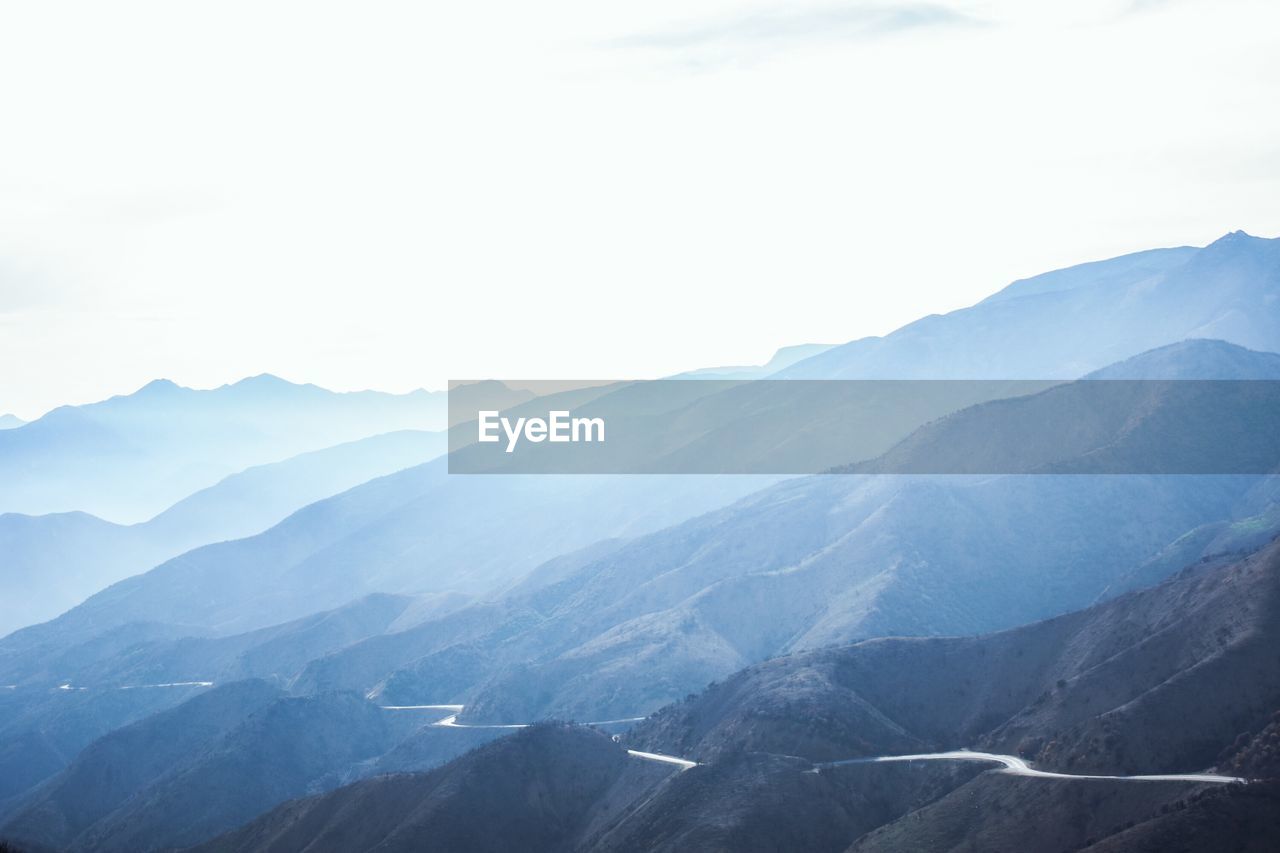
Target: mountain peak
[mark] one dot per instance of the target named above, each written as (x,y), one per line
(267,384)
(1195,358)
(262,380)
(158,386)
(1237,237)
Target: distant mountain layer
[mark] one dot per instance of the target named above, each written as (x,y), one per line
(594,597)
(51,563)
(1196,359)
(415,531)
(10,421)
(127,458)
(805,563)
(782,359)
(1067,323)
(628,626)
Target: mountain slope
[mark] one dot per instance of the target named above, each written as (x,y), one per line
(1065,324)
(288,748)
(128,458)
(418,532)
(1158,680)
(53,562)
(139,669)
(540,790)
(826,560)
(121,764)
(1195,359)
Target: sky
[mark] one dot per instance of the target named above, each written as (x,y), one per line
(392,195)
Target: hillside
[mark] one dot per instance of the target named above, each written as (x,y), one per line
(540,790)
(416,531)
(1067,323)
(53,562)
(1161,680)
(128,458)
(227,767)
(1148,682)
(136,670)
(819,561)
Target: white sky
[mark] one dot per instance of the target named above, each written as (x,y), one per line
(391,195)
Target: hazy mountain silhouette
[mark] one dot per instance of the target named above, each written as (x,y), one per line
(51,563)
(809,562)
(1195,359)
(1067,323)
(600,597)
(128,458)
(416,531)
(783,358)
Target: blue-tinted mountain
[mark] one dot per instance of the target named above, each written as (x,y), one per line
(417,531)
(1196,359)
(65,698)
(225,764)
(550,788)
(10,421)
(1179,676)
(128,458)
(51,563)
(782,359)
(1065,324)
(830,559)
(1129,685)
(116,767)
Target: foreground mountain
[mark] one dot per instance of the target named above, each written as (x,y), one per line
(1160,680)
(1239,820)
(1067,323)
(51,563)
(546,789)
(137,670)
(116,767)
(232,762)
(128,458)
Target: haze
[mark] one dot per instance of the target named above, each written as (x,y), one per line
(388,195)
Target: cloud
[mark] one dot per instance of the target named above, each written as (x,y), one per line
(779,29)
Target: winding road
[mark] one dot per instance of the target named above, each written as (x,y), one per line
(1011,764)
(1015,766)
(451,722)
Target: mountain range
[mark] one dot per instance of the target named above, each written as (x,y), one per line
(53,562)
(1070,322)
(129,458)
(1061,692)
(264,693)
